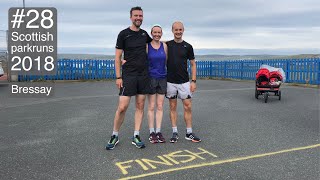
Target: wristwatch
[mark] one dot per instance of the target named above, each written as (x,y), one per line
(195,81)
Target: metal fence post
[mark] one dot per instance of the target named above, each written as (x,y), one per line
(318,81)
(288,70)
(241,70)
(225,70)
(210,66)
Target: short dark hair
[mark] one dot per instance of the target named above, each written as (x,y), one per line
(135,8)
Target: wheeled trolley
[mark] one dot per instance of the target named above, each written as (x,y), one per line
(268,82)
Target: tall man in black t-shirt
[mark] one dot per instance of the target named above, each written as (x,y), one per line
(134,80)
(178,85)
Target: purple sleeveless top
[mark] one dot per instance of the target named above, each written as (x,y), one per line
(157,61)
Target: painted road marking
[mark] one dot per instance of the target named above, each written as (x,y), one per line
(223,161)
(170,159)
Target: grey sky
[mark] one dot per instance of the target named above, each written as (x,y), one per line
(217,24)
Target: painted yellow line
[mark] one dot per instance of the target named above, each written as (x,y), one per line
(223,161)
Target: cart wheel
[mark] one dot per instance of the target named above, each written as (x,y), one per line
(257,94)
(279,94)
(266,95)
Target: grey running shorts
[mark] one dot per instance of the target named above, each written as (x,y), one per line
(181,91)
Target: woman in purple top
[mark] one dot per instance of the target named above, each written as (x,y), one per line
(157,57)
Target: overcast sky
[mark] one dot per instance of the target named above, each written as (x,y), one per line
(93,25)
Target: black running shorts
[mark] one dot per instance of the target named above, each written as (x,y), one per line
(158,86)
(133,85)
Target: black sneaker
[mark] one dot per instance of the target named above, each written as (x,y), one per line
(153,138)
(192,137)
(174,137)
(160,138)
(113,142)
(137,142)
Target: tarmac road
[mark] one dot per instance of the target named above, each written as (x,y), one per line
(64,136)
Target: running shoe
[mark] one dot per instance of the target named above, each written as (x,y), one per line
(113,142)
(160,138)
(192,137)
(153,138)
(137,142)
(174,137)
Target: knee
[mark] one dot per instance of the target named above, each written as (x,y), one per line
(140,106)
(122,109)
(173,108)
(173,105)
(187,107)
(159,107)
(151,107)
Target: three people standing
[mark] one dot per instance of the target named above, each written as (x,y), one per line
(144,72)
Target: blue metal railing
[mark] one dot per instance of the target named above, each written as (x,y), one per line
(297,70)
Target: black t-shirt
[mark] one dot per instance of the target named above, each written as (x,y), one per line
(177,64)
(133,43)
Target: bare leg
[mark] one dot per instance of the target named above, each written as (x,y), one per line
(159,113)
(140,99)
(173,112)
(121,111)
(151,104)
(187,105)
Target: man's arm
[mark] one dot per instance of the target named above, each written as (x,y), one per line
(165,47)
(147,48)
(193,69)
(149,39)
(118,67)
(193,85)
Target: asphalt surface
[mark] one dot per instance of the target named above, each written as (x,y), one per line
(64,136)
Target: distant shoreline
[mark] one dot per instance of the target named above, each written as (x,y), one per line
(199,57)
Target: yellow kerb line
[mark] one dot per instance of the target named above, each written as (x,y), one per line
(223,161)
